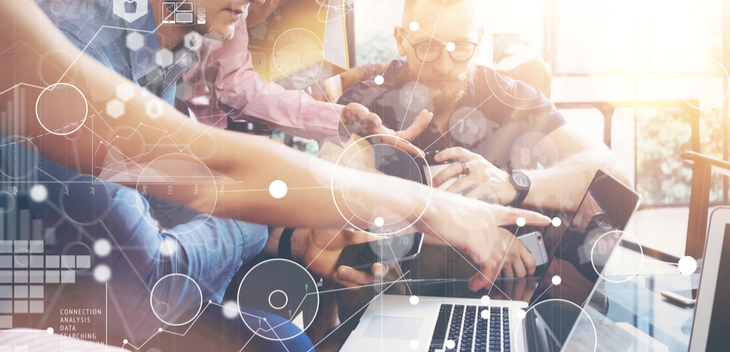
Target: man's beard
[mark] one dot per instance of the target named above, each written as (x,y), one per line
(444,99)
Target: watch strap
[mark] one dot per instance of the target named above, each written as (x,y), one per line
(285,244)
(520,193)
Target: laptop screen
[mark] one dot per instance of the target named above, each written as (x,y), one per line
(580,256)
(712,313)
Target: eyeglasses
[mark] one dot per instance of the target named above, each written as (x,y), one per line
(430,52)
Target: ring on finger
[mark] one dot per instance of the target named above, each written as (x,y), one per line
(464,168)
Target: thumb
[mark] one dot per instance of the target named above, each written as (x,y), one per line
(418,126)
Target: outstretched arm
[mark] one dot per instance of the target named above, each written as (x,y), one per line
(250,164)
(571,159)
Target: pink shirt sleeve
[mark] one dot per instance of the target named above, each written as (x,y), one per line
(225,76)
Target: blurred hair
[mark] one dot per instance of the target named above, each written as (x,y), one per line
(410,5)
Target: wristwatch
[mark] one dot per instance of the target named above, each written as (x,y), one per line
(521,182)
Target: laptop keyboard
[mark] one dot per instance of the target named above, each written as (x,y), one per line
(462,328)
(552,345)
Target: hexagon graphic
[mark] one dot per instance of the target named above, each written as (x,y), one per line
(192,40)
(125,91)
(115,108)
(135,41)
(164,57)
(130,10)
(154,108)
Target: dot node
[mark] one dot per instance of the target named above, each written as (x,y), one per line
(556,221)
(485,300)
(414,344)
(521,221)
(379,80)
(125,341)
(379,221)
(414,26)
(102,273)
(450,46)
(278,189)
(485,314)
(414,300)
(557,280)
(450,344)
(687,265)
(38,193)
(521,314)
(102,247)
(49,331)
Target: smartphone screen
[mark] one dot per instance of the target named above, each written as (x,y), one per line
(386,250)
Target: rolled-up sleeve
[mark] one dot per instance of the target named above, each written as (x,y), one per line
(227,74)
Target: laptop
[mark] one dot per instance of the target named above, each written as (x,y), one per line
(712,311)
(392,323)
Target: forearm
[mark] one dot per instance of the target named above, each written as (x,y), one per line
(299,242)
(563,185)
(308,203)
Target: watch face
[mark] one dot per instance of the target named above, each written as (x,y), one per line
(521,179)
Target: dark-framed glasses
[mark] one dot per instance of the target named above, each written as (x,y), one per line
(429,52)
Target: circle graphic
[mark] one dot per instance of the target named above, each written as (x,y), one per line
(7,202)
(174,299)
(556,221)
(102,273)
(298,53)
(387,159)
(413,344)
(61,109)
(687,265)
(49,74)
(502,88)
(230,310)
(38,193)
(278,299)
(182,176)
(485,300)
(281,294)
(521,221)
(102,247)
(278,189)
(85,201)
(600,252)
(469,126)
(379,80)
(698,86)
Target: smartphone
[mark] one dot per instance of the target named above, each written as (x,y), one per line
(683,297)
(534,243)
(386,250)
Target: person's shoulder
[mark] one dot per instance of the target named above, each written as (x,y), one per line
(502,83)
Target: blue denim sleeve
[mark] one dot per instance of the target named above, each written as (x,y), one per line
(81,211)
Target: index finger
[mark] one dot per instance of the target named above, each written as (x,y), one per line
(504,216)
(454,153)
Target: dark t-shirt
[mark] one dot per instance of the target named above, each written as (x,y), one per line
(495,115)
